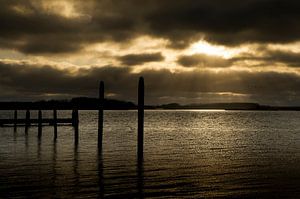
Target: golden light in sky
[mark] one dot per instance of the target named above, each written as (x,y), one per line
(205,47)
(169,42)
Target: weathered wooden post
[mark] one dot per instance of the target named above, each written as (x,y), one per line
(141,118)
(75,124)
(28,117)
(55,123)
(40,124)
(100,115)
(27,122)
(15,120)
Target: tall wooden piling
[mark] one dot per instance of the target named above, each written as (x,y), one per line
(55,123)
(141,118)
(40,124)
(15,120)
(75,123)
(100,115)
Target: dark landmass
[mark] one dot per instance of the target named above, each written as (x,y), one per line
(81,103)
(229,106)
(85,103)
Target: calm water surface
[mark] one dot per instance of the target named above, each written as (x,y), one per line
(188,154)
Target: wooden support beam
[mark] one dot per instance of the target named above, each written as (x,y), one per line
(40,124)
(27,124)
(141,118)
(75,124)
(15,120)
(55,123)
(45,121)
(28,117)
(100,115)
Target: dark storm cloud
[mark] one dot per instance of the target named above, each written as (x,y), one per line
(36,82)
(36,30)
(266,57)
(271,57)
(182,21)
(203,60)
(230,22)
(140,59)
(290,58)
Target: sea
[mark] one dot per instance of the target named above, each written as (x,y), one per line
(187,154)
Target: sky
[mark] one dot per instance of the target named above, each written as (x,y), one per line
(188,51)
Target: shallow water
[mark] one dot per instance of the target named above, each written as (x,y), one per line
(187,154)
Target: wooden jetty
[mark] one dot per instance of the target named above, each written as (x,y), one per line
(74,120)
(40,122)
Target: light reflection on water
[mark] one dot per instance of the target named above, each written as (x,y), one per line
(188,154)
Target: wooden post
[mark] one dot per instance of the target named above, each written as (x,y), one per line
(141,119)
(15,120)
(75,124)
(100,115)
(28,117)
(40,124)
(55,123)
(27,122)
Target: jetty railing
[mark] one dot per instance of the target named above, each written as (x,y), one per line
(40,122)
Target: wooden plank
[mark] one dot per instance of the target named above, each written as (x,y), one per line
(36,121)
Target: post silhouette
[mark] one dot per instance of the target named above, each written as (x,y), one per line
(55,123)
(100,115)
(75,124)
(27,117)
(27,123)
(40,124)
(15,120)
(141,119)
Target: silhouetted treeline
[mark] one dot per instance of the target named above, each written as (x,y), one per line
(93,103)
(82,103)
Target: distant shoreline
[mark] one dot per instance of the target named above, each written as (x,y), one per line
(84,103)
